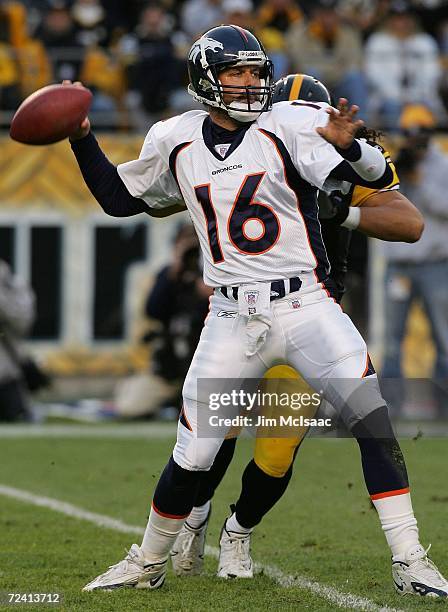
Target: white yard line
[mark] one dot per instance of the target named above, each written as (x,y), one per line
(331,594)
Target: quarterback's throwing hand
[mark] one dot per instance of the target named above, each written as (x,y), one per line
(342,125)
(84,127)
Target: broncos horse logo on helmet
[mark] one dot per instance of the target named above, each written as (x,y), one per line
(223,47)
(202,45)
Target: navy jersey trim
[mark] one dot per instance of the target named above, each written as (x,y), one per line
(173,158)
(369,370)
(307,203)
(183,419)
(302,103)
(213,135)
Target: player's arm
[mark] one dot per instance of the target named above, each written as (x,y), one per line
(389,215)
(324,150)
(105,184)
(104,181)
(363,164)
(385,214)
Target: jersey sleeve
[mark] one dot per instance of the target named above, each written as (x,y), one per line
(313,156)
(149,177)
(361,194)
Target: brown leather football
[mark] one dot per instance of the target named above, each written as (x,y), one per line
(50,114)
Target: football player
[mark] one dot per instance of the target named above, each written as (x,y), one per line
(271,469)
(248,173)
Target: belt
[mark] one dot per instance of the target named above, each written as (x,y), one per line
(279,288)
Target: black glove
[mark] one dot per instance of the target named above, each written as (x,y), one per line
(340,208)
(333,207)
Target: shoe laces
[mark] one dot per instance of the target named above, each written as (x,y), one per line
(130,559)
(187,542)
(239,549)
(428,569)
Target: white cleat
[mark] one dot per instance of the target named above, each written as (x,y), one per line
(133,571)
(416,574)
(187,554)
(234,555)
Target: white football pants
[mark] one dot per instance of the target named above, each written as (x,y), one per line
(309,332)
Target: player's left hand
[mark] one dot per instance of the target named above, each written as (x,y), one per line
(342,125)
(84,127)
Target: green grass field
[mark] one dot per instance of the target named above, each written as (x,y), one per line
(323,529)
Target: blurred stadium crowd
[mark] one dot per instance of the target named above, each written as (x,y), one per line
(378,53)
(388,56)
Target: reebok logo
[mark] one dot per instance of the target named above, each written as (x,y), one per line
(235,167)
(227,314)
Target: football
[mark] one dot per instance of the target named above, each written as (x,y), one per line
(50,114)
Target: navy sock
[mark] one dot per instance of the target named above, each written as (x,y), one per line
(176,490)
(382,460)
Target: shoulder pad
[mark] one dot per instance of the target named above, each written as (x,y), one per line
(296,112)
(181,127)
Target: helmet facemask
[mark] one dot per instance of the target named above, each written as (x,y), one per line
(254,100)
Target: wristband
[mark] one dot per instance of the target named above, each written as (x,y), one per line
(352,154)
(371,165)
(353,218)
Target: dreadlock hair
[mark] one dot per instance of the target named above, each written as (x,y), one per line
(369,134)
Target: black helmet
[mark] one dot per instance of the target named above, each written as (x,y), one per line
(301,87)
(220,48)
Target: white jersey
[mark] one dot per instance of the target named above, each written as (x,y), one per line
(255,209)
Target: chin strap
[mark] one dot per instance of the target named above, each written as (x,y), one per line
(243,117)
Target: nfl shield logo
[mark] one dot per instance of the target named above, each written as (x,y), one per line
(295,304)
(251,297)
(223,150)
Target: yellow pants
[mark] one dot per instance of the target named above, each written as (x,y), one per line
(272,454)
